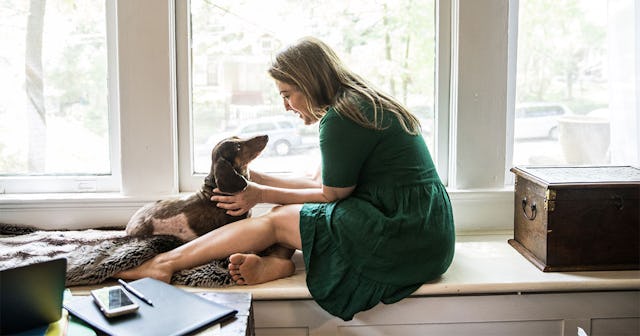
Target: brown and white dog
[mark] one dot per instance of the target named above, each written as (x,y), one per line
(191,217)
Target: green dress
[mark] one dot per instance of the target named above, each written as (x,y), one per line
(391,235)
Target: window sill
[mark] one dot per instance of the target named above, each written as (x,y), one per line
(482,265)
(475,212)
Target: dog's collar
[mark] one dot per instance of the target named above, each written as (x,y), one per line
(206,194)
(245,187)
(229,194)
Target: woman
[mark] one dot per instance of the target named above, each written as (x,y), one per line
(377,227)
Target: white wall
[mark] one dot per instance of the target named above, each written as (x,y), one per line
(146,60)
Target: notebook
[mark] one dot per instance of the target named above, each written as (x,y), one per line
(174,312)
(31,295)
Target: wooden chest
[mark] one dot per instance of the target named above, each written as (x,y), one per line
(578,218)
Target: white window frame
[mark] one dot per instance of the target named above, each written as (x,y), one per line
(476,181)
(187,179)
(473,90)
(190,181)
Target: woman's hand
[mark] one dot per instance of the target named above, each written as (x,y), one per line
(240,203)
(278,190)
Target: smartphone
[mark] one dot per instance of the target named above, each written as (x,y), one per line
(113,301)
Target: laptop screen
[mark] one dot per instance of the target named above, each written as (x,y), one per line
(31,295)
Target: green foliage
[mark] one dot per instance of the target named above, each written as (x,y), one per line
(77,76)
(391,44)
(560,51)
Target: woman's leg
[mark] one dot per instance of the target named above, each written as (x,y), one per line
(278,226)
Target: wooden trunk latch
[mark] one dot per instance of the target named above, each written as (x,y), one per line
(550,200)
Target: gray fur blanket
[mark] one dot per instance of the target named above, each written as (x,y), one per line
(93,256)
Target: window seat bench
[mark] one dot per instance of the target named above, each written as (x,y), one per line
(489,288)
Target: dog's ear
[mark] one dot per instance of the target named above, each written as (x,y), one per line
(227,179)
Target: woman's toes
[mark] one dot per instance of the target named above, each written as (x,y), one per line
(235,260)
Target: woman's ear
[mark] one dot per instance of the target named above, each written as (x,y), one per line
(227,179)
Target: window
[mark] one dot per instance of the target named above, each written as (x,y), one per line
(158,146)
(55,130)
(390,43)
(577,83)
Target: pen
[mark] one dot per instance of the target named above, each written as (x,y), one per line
(134,292)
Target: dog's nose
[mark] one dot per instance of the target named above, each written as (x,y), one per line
(258,143)
(260,138)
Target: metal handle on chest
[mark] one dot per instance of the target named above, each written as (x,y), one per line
(534,210)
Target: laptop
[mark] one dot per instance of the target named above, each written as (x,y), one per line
(31,295)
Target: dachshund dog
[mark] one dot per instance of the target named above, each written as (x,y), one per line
(191,217)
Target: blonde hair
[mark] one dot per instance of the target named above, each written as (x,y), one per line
(314,68)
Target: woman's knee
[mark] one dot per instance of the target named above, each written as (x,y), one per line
(285,220)
(285,212)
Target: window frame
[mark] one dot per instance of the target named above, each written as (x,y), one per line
(481,200)
(443,8)
(152,86)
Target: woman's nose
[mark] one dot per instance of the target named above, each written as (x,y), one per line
(287,107)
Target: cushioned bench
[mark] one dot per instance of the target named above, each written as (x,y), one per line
(489,285)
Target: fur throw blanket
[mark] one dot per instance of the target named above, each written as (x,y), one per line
(95,255)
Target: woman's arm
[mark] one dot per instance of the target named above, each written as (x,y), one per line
(324,194)
(255,193)
(282,182)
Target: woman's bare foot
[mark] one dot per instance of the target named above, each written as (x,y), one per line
(251,269)
(155,268)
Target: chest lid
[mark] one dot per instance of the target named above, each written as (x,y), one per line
(565,176)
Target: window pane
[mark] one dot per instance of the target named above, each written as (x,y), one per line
(576,100)
(390,43)
(53,79)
